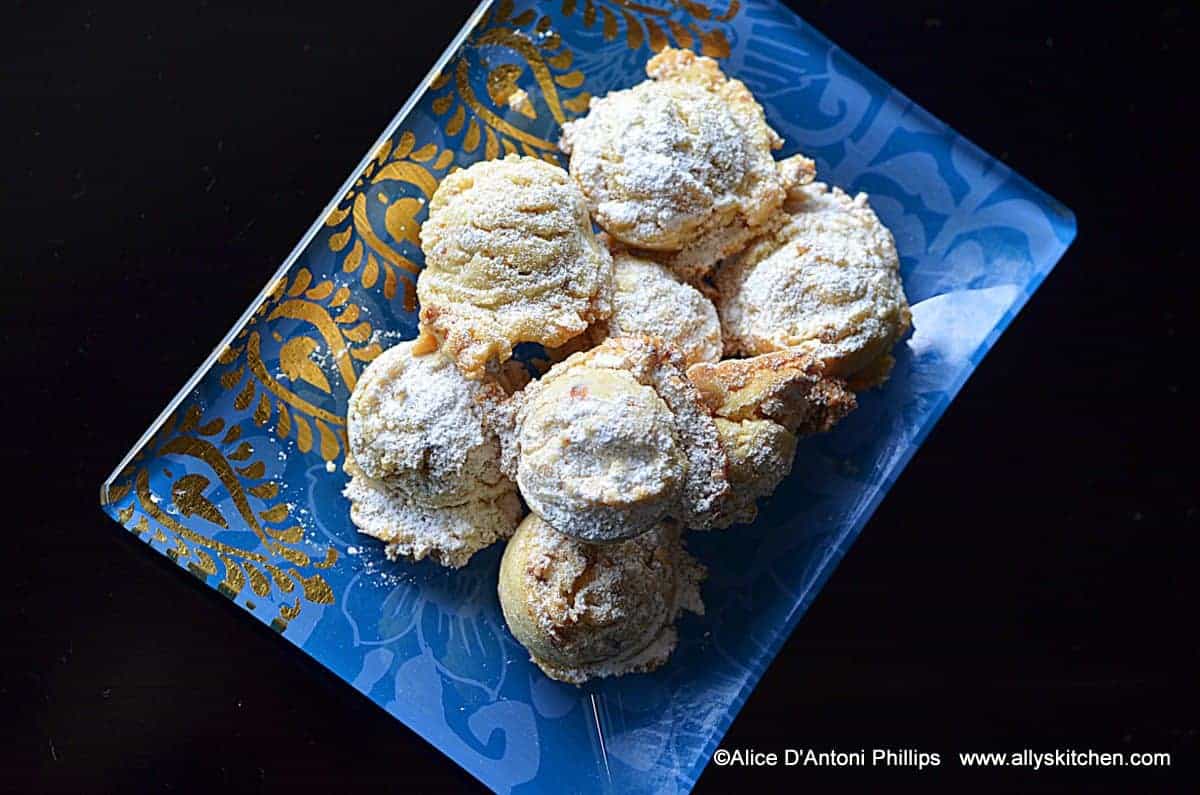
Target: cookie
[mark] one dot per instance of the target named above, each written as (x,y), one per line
(827,283)
(585,611)
(680,164)
(510,257)
(613,440)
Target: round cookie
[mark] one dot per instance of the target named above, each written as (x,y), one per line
(612,440)
(599,450)
(648,299)
(826,283)
(510,257)
(424,460)
(592,610)
(419,424)
(677,163)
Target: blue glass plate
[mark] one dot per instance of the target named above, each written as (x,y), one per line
(239,480)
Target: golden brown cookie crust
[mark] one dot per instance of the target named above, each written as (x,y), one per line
(761,405)
(788,387)
(760,454)
(587,611)
(510,257)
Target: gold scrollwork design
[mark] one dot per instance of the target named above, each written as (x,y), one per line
(323,358)
(479,118)
(683,23)
(362,248)
(229,465)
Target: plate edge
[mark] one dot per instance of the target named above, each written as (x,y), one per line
(451,49)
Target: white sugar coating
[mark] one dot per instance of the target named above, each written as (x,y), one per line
(656,162)
(827,283)
(586,611)
(424,464)
(419,424)
(675,158)
(694,261)
(599,452)
(510,257)
(648,299)
(448,534)
(760,454)
(612,439)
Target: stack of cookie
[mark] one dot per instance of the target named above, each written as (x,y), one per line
(730,305)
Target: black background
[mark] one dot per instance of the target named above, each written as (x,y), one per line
(1029,582)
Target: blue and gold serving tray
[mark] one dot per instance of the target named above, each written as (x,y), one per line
(239,480)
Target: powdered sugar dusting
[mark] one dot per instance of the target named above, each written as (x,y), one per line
(510,257)
(586,610)
(418,423)
(645,449)
(449,534)
(649,299)
(673,160)
(599,454)
(424,463)
(827,283)
(657,162)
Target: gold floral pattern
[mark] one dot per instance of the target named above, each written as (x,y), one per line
(681,23)
(231,480)
(524,50)
(401,177)
(321,353)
